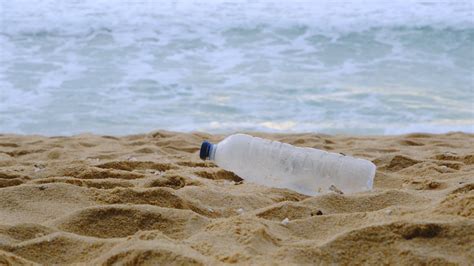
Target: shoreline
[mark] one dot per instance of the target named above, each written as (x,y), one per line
(148,198)
(464,128)
(255,132)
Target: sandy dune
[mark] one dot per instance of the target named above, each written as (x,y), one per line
(149,199)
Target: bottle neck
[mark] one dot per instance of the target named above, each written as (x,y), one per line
(212,152)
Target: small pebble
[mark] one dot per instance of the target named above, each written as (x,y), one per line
(443,168)
(285,221)
(434,184)
(319,212)
(388,212)
(210,209)
(132,159)
(93,160)
(240,211)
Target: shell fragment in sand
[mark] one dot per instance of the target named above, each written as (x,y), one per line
(132,159)
(285,221)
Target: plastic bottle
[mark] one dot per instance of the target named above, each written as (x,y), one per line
(305,170)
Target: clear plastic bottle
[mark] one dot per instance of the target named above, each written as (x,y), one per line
(305,170)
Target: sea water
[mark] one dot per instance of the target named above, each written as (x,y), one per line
(129,66)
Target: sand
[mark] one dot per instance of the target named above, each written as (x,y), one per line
(149,199)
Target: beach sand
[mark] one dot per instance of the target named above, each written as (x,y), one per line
(149,199)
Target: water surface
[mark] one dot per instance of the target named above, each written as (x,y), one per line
(123,66)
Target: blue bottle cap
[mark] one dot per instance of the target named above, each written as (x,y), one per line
(205,150)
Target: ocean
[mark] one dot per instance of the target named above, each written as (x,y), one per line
(338,67)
